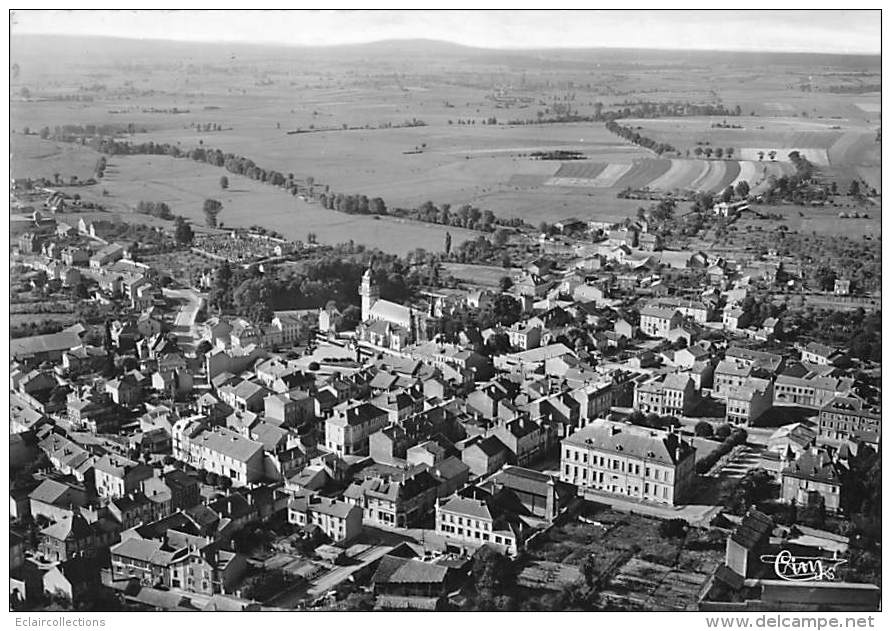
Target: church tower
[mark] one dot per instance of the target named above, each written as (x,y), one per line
(369,292)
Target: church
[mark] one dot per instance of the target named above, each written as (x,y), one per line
(388,324)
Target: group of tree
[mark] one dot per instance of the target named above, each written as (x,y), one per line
(632,135)
(155,209)
(718,152)
(334,276)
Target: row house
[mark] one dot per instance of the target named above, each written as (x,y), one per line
(218,450)
(698,311)
(195,565)
(339,520)
(400,501)
(811,390)
(73,537)
(474,517)
(675,395)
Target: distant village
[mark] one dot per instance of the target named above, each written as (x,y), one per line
(380,460)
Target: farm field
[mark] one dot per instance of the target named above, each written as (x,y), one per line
(32,157)
(481,275)
(184,185)
(818,219)
(657,175)
(417,127)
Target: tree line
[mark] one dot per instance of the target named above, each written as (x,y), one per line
(631,135)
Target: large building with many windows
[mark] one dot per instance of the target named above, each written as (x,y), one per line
(636,462)
(847,418)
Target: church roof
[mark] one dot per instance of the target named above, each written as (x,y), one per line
(391,312)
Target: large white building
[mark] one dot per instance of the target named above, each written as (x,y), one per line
(622,459)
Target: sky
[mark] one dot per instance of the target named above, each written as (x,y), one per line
(757,30)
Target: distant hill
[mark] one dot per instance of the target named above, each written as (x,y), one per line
(62,46)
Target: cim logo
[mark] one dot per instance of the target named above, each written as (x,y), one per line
(791,568)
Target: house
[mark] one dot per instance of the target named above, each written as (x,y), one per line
(74,579)
(124,390)
(339,520)
(484,456)
(821,354)
(182,562)
(41,348)
(649,242)
(291,408)
(842,287)
(688,356)
(400,501)
(106,255)
(728,209)
(747,404)
(747,543)
(658,321)
(623,236)
(734,318)
(813,478)
(117,476)
(794,438)
(590,293)
(810,389)
(623,327)
(543,496)
(526,440)
(401,583)
(524,336)
(675,395)
(73,536)
(729,376)
(246,396)
(474,517)
(348,430)
(55,500)
(627,460)
(75,256)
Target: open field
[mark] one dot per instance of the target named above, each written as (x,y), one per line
(819,219)
(184,185)
(32,157)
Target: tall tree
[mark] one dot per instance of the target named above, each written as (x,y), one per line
(212,208)
(183,232)
(448,242)
(224,182)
